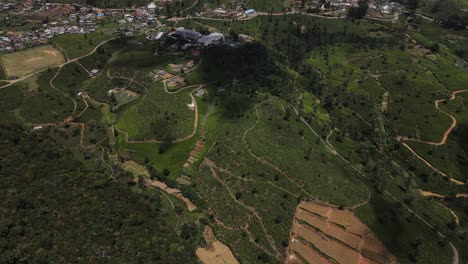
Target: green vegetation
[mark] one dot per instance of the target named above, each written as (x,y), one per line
(77,45)
(418,240)
(264,6)
(159,116)
(12,97)
(33,110)
(109,219)
(312,109)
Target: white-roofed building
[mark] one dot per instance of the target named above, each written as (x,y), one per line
(211,39)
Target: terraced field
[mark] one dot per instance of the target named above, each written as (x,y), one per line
(325,234)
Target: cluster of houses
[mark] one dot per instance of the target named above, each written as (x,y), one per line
(54,19)
(171,79)
(376,7)
(223,12)
(12,41)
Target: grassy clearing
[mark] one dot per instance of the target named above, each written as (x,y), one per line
(22,63)
(173,155)
(158,115)
(311,105)
(138,58)
(135,168)
(164,156)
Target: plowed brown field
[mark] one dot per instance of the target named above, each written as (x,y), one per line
(324,234)
(215,252)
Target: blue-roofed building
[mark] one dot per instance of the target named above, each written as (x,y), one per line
(250,11)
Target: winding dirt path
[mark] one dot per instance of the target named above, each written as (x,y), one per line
(262,160)
(190,7)
(252,210)
(228,172)
(84,109)
(327,145)
(449,130)
(11,82)
(440,196)
(452,180)
(195,127)
(386,192)
(441,142)
(194,101)
(51,83)
(436,195)
(131,80)
(105,162)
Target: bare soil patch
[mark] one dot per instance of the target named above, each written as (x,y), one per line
(215,252)
(174,192)
(196,150)
(325,234)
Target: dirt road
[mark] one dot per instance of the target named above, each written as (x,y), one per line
(11,82)
(195,127)
(452,125)
(441,142)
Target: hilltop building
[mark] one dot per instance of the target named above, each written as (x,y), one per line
(211,39)
(188,34)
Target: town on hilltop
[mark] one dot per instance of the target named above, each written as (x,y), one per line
(34,22)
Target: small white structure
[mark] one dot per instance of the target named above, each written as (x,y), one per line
(219,11)
(151,6)
(199,92)
(386,9)
(191,106)
(93,72)
(159,35)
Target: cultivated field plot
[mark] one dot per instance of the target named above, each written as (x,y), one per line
(215,251)
(135,168)
(24,62)
(325,234)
